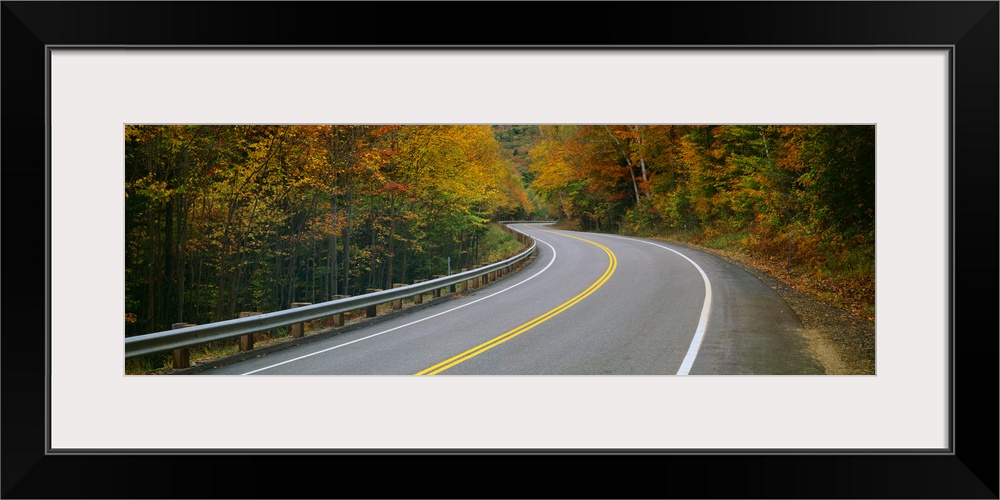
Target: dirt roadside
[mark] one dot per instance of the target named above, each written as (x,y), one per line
(843,342)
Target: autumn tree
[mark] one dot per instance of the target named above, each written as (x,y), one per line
(751,184)
(220,219)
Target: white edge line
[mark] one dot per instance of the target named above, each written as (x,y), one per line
(699,333)
(417,321)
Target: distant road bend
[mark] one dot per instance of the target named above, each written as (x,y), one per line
(589,304)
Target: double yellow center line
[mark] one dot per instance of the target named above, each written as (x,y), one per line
(485,346)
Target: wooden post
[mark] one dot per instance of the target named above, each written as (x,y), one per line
(299,329)
(246,341)
(372,311)
(182,357)
(398,303)
(437,291)
(338,319)
(465,284)
(418,298)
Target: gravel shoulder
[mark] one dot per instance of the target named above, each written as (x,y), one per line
(843,342)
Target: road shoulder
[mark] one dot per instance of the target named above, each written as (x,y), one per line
(842,342)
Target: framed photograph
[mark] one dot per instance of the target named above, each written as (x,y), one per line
(922,74)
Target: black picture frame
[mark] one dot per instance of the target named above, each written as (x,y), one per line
(969,28)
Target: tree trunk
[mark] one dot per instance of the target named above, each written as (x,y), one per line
(181,259)
(628,161)
(635,186)
(332,255)
(390,250)
(372,240)
(182,224)
(642,160)
(347,241)
(234,294)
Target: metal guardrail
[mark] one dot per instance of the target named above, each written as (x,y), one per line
(190,336)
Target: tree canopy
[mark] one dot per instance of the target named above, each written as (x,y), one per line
(226,218)
(754,184)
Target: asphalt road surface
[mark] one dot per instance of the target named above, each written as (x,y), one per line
(589,304)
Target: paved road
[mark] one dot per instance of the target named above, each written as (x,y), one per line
(588,304)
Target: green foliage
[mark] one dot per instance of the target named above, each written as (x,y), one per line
(840,187)
(735,187)
(221,219)
(498,245)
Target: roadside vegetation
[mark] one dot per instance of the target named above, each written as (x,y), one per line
(223,219)
(496,245)
(797,201)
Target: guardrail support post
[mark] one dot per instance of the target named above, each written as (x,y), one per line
(299,329)
(246,330)
(246,341)
(418,298)
(338,319)
(437,291)
(182,357)
(372,311)
(398,303)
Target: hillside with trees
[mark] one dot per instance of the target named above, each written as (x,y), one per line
(516,142)
(798,197)
(221,219)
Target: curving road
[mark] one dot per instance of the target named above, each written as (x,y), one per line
(588,304)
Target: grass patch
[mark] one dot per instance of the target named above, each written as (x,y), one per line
(148,364)
(726,241)
(497,245)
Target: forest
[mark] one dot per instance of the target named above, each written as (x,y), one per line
(799,195)
(227,218)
